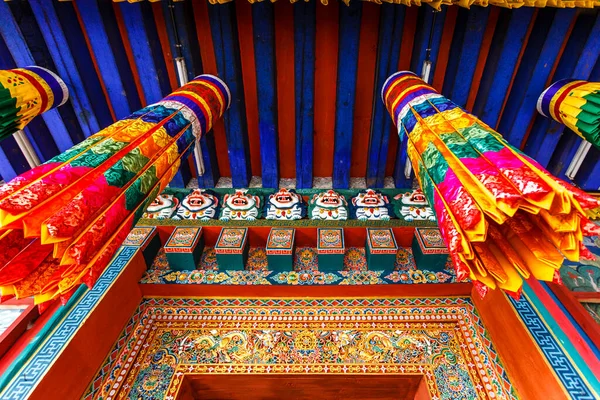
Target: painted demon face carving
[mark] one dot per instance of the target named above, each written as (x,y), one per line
(162,207)
(241,200)
(370,198)
(284,199)
(198,200)
(414,198)
(329,199)
(161,201)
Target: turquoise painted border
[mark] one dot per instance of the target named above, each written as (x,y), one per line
(564,341)
(551,341)
(28,370)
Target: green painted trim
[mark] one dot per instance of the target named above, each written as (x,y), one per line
(298,223)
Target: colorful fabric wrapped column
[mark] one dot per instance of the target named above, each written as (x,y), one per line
(26,93)
(71,214)
(575,104)
(501,214)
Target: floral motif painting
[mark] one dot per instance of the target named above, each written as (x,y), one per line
(440,339)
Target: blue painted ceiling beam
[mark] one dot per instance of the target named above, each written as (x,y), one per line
(509,39)
(469,54)
(147,63)
(227,54)
(105,58)
(263,21)
(304,80)
(519,114)
(390,36)
(66,67)
(349,37)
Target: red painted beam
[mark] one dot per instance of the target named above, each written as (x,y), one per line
(326,64)
(406,50)
(444,52)
(246,39)
(161,29)
(93,57)
(365,87)
(483,55)
(129,53)
(209,65)
(286,106)
(576,310)
(520,354)
(566,326)
(75,367)
(519,59)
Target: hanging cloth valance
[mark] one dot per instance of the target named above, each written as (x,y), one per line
(436,4)
(575,104)
(61,222)
(502,215)
(26,93)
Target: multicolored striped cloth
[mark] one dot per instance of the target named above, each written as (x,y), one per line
(26,93)
(61,222)
(575,104)
(502,215)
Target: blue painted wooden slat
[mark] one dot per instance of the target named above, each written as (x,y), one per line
(227,54)
(66,67)
(17,46)
(501,63)
(349,37)
(109,18)
(460,27)
(150,63)
(105,58)
(7,172)
(476,23)
(187,35)
(417,59)
(588,177)
(263,22)
(15,158)
(304,79)
(524,110)
(577,60)
(83,58)
(145,61)
(211,166)
(422,39)
(390,35)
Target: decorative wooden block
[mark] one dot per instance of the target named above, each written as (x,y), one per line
(280,249)
(232,249)
(184,248)
(147,239)
(429,249)
(381,249)
(330,249)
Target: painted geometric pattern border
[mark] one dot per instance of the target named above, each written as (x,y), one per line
(117,376)
(34,368)
(305,271)
(553,352)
